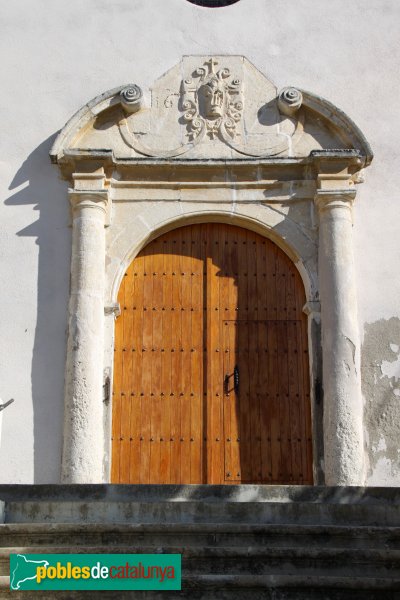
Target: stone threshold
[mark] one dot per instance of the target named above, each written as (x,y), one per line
(205,493)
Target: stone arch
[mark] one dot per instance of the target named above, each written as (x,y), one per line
(283,231)
(300,249)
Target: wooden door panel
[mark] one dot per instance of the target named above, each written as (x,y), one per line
(195,303)
(214,356)
(264,438)
(195,356)
(158,367)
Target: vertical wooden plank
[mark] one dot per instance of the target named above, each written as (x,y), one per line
(252,276)
(293,355)
(281,286)
(209,349)
(295,406)
(243,276)
(284,401)
(254,357)
(261,270)
(291,292)
(128,374)
(295,385)
(243,397)
(284,408)
(219,394)
(135,297)
(233,401)
(196,358)
(261,294)
(185,352)
(127,332)
(146,365)
(307,402)
(254,361)
(265,402)
(236,432)
(223,306)
(205,451)
(155,310)
(136,277)
(176,339)
(274,400)
(223,265)
(271,254)
(232,267)
(165,351)
(303,404)
(227,417)
(215,350)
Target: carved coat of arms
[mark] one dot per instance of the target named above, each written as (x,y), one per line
(212,102)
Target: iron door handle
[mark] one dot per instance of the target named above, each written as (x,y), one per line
(236,378)
(226,384)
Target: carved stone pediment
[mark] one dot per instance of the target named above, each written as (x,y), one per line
(209,107)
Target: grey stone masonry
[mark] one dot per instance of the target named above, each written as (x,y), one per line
(245,541)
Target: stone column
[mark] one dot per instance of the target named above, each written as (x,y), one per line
(83,447)
(343,414)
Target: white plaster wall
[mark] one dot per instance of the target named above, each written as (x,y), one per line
(57,55)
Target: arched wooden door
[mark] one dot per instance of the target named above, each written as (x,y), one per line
(211,380)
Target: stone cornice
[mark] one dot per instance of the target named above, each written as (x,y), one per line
(242,180)
(107,157)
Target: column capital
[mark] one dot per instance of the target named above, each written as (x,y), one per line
(337,198)
(94,199)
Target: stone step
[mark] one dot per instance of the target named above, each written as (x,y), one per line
(200,492)
(200,512)
(198,534)
(274,542)
(254,587)
(250,560)
(200,504)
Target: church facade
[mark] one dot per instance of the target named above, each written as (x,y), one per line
(209,292)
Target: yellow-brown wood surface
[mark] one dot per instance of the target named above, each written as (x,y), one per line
(196,304)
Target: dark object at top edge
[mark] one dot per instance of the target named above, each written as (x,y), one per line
(213,3)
